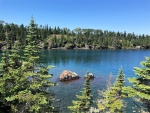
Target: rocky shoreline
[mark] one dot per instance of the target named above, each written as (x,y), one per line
(113,48)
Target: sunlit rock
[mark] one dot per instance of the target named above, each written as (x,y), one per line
(67,75)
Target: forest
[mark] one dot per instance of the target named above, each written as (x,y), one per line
(25,82)
(64,38)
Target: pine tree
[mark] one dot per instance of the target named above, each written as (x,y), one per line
(141,84)
(84,100)
(112,97)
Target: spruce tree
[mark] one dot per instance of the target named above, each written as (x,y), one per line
(119,83)
(141,84)
(84,100)
(24,83)
(112,98)
(39,98)
(4,69)
(11,77)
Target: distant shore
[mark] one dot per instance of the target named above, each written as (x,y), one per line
(87,47)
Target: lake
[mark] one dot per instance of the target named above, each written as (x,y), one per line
(100,62)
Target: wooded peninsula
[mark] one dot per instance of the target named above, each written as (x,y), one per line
(64,38)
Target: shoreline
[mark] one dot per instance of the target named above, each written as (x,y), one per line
(5,46)
(96,49)
(87,49)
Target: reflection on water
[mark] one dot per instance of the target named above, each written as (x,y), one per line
(64,56)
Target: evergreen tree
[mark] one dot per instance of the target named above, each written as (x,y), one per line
(141,84)
(112,97)
(38,81)
(2,35)
(22,35)
(24,84)
(62,39)
(11,79)
(4,69)
(94,38)
(84,100)
(119,83)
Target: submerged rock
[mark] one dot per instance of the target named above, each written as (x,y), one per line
(58,100)
(67,75)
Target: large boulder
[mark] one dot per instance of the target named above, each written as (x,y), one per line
(67,75)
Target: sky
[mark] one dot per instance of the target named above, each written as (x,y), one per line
(113,15)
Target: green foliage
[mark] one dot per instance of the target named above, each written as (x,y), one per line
(119,83)
(24,82)
(11,78)
(2,35)
(96,38)
(141,84)
(84,100)
(112,98)
(112,101)
(38,81)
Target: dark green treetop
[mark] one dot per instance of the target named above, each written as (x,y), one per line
(24,81)
(141,84)
(111,99)
(84,100)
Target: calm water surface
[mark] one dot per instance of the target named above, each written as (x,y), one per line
(100,62)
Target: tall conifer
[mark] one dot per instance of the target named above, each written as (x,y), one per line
(38,77)
(84,100)
(141,84)
(119,83)
(24,83)
(11,77)
(112,98)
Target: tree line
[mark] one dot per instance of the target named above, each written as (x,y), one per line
(25,84)
(56,37)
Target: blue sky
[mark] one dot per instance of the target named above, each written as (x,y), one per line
(115,15)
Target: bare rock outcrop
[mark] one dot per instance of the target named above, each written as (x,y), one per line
(67,75)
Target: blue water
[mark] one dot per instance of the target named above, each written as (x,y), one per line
(100,62)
